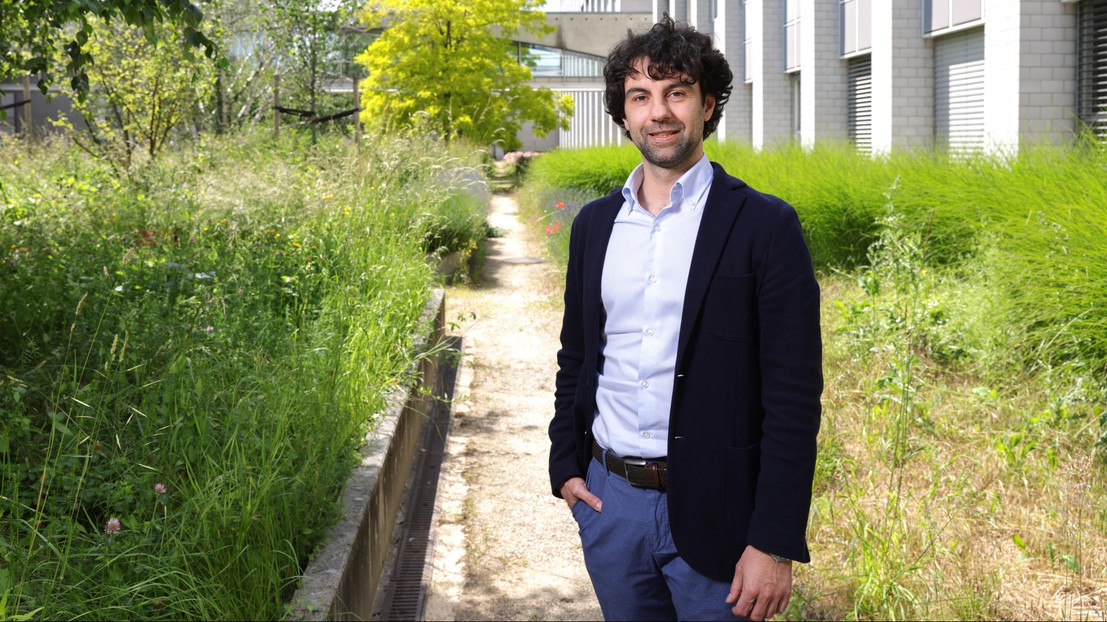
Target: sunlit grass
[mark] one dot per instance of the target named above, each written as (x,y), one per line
(191,357)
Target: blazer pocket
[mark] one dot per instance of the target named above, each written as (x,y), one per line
(743,465)
(729,310)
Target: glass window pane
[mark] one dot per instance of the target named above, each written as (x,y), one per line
(864,24)
(939,15)
(849,27)
(965,11)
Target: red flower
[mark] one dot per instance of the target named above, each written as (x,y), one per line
(560,205)
(549,229)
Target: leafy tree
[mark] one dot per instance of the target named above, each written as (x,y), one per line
(454,63)
(310,35)
(142,91)
(31,31)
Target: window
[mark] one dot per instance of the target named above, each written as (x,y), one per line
(747,45)
(1092,62)
(791,35)
(797,108)
(855,18)
(939,15)
(552,62)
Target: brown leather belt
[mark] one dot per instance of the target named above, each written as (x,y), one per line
(639,472)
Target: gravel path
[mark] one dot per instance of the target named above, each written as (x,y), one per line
(505,548)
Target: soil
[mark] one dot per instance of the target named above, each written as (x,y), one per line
(506,549)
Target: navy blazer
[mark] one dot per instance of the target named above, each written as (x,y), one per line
(745,412)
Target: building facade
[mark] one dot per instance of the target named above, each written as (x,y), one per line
(968,75)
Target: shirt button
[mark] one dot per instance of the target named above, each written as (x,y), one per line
(649,332)
(645,435)
(653,279)
(645,384)
(656,228)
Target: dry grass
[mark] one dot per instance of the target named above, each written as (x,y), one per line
(971,524)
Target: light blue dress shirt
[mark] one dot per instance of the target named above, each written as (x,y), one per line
(644,278)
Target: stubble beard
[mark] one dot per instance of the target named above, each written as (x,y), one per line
(665,157)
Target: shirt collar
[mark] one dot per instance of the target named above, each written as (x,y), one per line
(691,187)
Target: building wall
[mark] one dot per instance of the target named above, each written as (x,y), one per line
(771,95)
(44,110)
(902,77)
(1030,56)
(1029,81)
(729,36)
(822,74)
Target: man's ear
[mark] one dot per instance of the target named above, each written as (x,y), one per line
(708,107)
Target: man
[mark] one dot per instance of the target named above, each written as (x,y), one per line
(687,398)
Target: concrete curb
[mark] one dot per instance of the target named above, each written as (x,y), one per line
(342,579)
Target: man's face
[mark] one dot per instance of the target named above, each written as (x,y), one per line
(665,118)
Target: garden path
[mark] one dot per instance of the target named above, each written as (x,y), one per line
(505,548)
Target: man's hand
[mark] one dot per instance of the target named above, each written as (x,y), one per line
(574,489)
(761,587)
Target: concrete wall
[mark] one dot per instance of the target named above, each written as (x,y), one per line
(902,77)
(728,31)
(1030,58)
(589,33)
(43,109)
(771,95)
(822,74)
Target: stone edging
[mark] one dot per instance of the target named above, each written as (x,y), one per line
(341,581)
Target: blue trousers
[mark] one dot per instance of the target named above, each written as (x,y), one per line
(631,558)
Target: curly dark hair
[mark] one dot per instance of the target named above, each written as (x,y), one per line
(673,49)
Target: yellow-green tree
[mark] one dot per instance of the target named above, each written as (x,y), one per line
(453,63)
(141,90)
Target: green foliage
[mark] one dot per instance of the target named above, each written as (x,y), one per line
(451,67)
(1028,232)
(191,356)
(32,31)
(144,91)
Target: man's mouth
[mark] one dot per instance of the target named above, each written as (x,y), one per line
(663,133)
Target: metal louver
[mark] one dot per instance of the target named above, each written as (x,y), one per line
(860,103)
(1092,75)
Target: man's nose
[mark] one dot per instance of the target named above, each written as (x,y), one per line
(659,109)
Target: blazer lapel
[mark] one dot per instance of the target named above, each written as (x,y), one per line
(599,234)
(721,209)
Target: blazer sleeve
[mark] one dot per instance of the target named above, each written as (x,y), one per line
(570,358)
(791,386)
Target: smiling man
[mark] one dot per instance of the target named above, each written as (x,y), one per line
(690,371)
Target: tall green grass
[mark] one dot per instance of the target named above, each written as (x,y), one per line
(191,357)
(961,458)
(1035,223)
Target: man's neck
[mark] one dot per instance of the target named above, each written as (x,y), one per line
(657,184)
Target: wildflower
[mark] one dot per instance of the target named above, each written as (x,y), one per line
(160,488)
(557,226)
(209,328)
(560,205)
(112,527)
(549,229)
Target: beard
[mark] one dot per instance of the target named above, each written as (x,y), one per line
(668,156)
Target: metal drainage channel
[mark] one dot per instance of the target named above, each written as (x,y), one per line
(405,596)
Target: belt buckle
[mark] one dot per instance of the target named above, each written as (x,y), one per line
(629,462)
